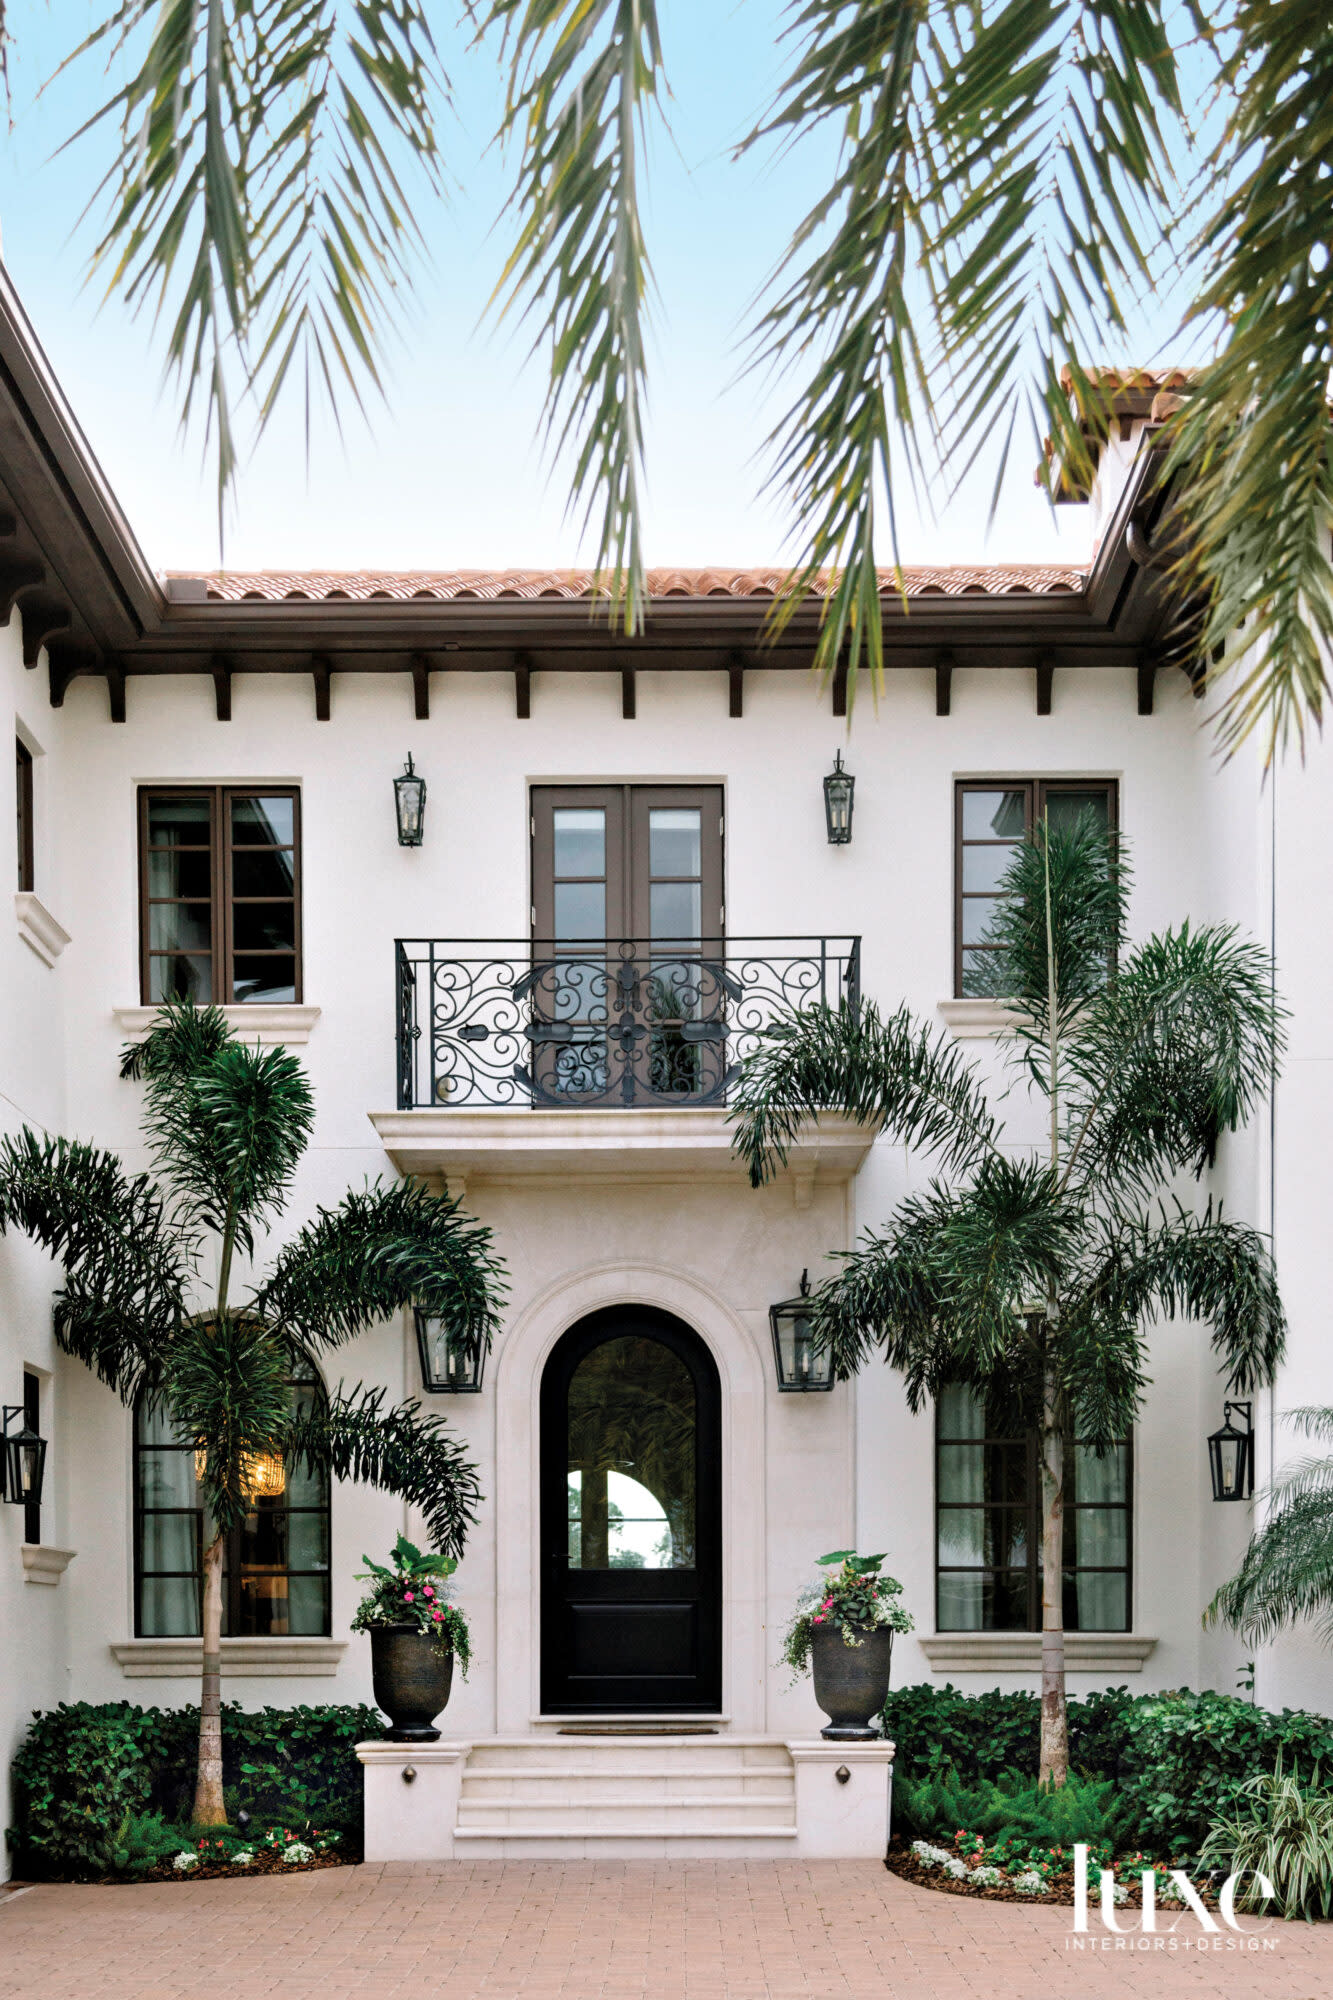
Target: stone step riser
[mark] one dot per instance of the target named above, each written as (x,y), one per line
(490,1786)
(692,1816)
(582,1760)
(624,1844)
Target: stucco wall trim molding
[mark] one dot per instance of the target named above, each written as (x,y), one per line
(977,1020)
(38,928)
(42,1564)
(273,1024)
(1020,1652)
(182,1659)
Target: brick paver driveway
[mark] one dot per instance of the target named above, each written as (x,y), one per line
(665,1931)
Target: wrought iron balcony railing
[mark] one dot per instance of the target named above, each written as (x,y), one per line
(607,1021)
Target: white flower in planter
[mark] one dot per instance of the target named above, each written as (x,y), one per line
(185,1861)
(297,1851)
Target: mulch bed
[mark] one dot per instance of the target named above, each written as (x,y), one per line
(900,1860)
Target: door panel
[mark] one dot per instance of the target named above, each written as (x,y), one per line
(631,1517)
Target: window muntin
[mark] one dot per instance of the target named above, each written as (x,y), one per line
(276,1566)
(988,1527)
(991,816)
(220,894)
(23,789)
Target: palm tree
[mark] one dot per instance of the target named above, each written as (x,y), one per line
(227,1126)
(1009,181)
(1026,1272)
(1287,1571)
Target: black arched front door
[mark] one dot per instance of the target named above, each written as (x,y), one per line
(631,1517)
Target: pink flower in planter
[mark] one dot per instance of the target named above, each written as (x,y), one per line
(438,1616)
(408,1595)
(428,1592)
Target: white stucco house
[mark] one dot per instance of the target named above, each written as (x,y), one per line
(204,798)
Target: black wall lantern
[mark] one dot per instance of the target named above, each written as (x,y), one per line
(839,795)
(801,1364)
(447,1368)
(24,1460)
(1231,1455)
(409,798)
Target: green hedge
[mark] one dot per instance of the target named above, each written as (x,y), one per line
(83,1767)
(1178,1759)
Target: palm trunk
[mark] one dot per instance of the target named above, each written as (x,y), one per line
(1054,1716)
(209,1809)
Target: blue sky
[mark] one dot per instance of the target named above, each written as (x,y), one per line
(449,471)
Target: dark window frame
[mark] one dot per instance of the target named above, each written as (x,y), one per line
(1036,791)
(233,1567)
(222,900)
(32,1418)
(1031,1510)
(25,789)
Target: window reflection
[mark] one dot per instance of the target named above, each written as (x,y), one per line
(631,1458)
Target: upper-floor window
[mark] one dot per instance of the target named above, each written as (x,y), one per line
(23,788)
(220,893)
(991,815)
(275,1571)
(988,1526)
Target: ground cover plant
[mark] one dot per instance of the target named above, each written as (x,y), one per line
(1199,1781)
(105,1788)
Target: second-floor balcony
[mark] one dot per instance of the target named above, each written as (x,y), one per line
(604,1023)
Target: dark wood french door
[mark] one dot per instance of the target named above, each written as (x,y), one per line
(631,1518)
(628,983)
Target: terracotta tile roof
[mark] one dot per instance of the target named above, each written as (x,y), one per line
(1145,380)
(489,586)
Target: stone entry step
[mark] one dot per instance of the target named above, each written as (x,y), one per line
(617,1797)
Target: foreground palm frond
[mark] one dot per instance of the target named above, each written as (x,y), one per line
(584,76)
(355,1436)
(258,203)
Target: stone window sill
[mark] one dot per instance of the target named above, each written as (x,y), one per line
(273,1024)
(183,1659)
(42,1564)
(1020,1652)
(977,1020)
(38,928)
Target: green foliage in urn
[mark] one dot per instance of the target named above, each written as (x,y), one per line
(411,1591)
(855,1601)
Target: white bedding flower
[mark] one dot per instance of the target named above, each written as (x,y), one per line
(243,1858)
(958,1869)
(297,1850)
(185,1861)
(933,1857)
(987,1876)
(1031,1883)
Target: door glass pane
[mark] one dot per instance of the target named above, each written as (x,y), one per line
(264,979)
(674,840)
(579,840)
(263,822)
(994,815)
(262,871)
(631,1458)
(673,910)
(180,871)
(264,927)
(179,927)
(580,911)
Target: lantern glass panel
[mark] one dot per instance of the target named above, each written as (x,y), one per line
(445,1367)
(801,1365)
(839,796)
(409,793)
(1229,1460)
(25,1468)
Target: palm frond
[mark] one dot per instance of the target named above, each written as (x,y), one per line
(895,1075)
(256,203)
(225,1384)
(1102,1370)
(377,1251)
(125,1269)
(584,77)
(1252,451)
(1203,1267)
(1002,179)
(1286,1573)
(1183,1044)
(227,1124)
(1078,876)
(399,1449)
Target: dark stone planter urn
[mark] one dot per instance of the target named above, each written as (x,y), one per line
(412,1675)
(851,1682)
